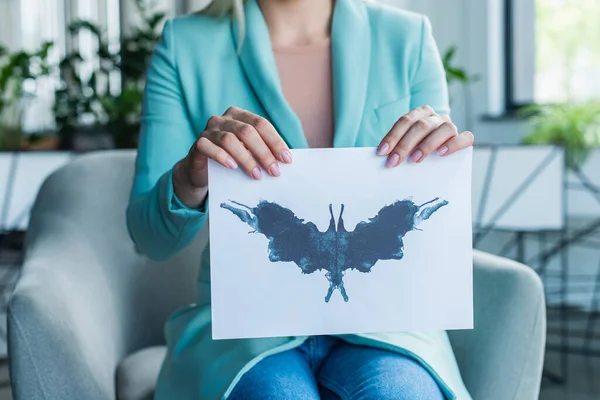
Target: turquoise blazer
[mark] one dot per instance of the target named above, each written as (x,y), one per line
(385,63)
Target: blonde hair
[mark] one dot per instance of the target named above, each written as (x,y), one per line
(235,8)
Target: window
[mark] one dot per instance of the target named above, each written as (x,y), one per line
(29,23)
(567,57)
(552,51)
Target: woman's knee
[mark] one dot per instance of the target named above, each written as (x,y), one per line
(359,373)
(386,390)
(411,382)
(284,376)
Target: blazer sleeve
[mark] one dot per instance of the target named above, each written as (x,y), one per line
(159,224)
(428,85)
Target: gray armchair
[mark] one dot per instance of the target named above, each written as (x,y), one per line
(86,318)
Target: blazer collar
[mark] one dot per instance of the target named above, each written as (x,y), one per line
(350,58)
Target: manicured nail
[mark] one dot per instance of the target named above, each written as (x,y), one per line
(256,174)
(393,160)
(287,157)
(416,155)
(383,148)
(274,169)
(231,163)
(442,150)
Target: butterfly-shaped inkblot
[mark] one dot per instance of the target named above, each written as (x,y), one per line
(337,249)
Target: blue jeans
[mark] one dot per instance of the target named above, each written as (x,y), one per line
(328,368)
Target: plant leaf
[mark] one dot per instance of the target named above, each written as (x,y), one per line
(458,73)
(83,25)
(155,20)
(449,55)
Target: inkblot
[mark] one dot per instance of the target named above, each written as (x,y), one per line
(336,250)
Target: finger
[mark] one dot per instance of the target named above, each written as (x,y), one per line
(196,162)
(433,141)
(266,130)
(251,140)
(401,127)
(458,142)
(248,135)
(230,143)
(204,149)
(415,135)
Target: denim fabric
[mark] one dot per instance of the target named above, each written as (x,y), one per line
(328,368)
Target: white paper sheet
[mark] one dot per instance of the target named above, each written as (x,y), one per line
(429,288)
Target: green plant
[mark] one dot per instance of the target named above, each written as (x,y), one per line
(453,73)
(576,126)
(94,96)
(460,75)
(19,73)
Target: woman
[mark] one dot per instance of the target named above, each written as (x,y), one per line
(242,91)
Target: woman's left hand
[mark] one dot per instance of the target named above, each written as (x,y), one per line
(419,133)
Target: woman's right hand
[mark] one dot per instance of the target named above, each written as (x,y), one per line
(238,138)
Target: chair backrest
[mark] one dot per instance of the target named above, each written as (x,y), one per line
(92,193)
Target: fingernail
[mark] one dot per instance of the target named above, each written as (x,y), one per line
(416,155)
(383,148)
(287,157)
(231,163)
(256,174)
(442,150)
(274,169)
(393,160)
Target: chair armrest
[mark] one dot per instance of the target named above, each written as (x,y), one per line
(502,358)
(64,320)
(85,299)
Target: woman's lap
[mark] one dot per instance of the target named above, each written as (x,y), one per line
(337,371)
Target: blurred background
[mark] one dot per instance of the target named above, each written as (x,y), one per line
(524,77)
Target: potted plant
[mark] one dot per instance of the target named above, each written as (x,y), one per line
(574,125)
(19,74)
(112,110)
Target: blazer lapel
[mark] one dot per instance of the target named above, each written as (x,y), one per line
(258,62)
(351,55)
